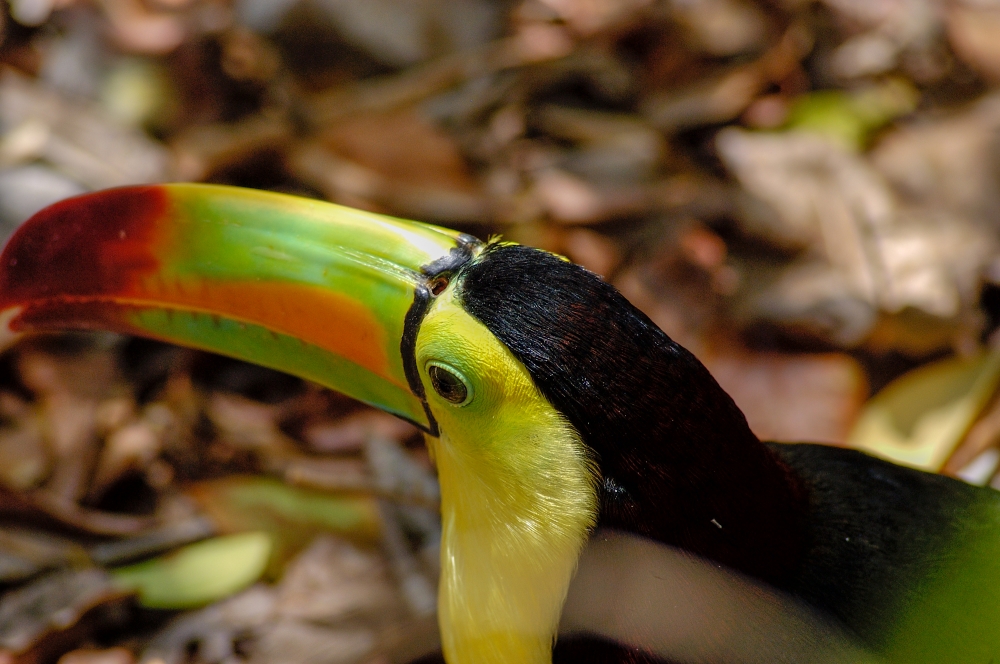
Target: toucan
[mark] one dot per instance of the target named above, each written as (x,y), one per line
(554,411)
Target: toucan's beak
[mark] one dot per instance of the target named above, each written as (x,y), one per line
(332,294)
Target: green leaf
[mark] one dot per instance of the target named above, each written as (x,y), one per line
(198,574)
(291,515)
(850,118)
(920,418)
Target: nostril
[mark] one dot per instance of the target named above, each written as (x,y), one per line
(438,285)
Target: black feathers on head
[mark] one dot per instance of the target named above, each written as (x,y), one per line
(599,360)
(665,435)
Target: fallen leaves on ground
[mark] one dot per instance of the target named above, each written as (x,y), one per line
(803,194)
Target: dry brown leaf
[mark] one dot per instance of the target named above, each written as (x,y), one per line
(295,642)
(725,95)
(25,458)
(347,182)
(55,603)
(722,27)
(90,656)
(333,580)
(131,448)
(78,138)
(405,32)
(328,474)
(384,94)
(212,631)
(588,17)
(793,398)
(199,151)
(139,30)
(613,147)
(867,252)
(402,146)
(350,433)
(245,423)
(596,252)
(947,162)
(893,28)
(69,389)
(25,553)
(973,30)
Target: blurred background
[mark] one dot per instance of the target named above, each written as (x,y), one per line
(804,193)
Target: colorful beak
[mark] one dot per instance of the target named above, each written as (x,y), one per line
(328,293)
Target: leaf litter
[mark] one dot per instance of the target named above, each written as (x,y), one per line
(803,194)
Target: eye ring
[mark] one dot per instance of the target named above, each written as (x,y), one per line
(449,383)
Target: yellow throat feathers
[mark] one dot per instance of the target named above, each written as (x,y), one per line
(518,497)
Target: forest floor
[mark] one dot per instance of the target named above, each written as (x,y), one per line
(803,193)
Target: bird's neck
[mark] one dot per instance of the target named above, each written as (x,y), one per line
(692,474)
(678,462)
(513,526)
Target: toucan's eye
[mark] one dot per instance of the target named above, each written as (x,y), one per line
(450,384)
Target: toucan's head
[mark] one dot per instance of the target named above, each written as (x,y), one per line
(548,401)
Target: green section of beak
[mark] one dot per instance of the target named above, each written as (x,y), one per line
(261,345)
(315,289)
